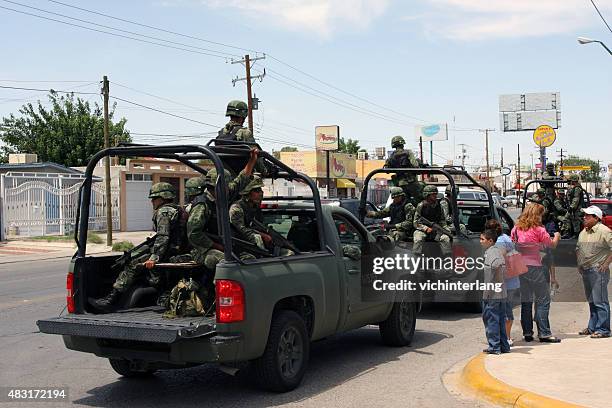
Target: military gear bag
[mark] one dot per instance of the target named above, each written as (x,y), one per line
(184,300)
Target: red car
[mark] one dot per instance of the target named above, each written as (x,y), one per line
(606,208)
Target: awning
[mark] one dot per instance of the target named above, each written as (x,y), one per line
(345,183)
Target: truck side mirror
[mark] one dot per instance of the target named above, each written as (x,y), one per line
(351,251)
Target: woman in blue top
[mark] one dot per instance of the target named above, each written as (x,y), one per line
(512,284)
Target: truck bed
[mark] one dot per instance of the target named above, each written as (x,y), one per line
(141,324)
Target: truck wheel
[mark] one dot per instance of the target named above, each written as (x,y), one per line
(285,358)
(124,368)
(398,329)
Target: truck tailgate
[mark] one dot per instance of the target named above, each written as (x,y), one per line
(143,324)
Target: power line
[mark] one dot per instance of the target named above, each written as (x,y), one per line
(164,112)
(164,99)
(601,15)
(45,90)
(153,27)
(39,81)
(115,28)
(110,33)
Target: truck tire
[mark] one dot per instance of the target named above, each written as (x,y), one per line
(123,367)
(285,358)
(398,329)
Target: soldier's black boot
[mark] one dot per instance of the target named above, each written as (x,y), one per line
(107,303)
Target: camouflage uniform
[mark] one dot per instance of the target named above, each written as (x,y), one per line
(405,158)
(575,199)
(561,215)
(402,216)
(202,217)
(433,213)
(550,176)
(243,212)
(448,213)
(234,130)
(548,218)
(167,243)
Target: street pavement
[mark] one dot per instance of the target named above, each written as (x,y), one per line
(353,369)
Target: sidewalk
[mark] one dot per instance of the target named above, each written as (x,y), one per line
(20,250)
(575,372)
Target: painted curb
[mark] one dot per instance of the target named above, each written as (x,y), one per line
(476,377)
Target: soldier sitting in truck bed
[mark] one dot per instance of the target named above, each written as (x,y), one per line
(168,242)
(401,213)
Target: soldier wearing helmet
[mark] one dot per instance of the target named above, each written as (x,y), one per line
(168,242)
(404,158)
(234,129)
(548,218)
(401,213)
(430,210)
(243,211)
(550,176)
(575,202)
(447,207)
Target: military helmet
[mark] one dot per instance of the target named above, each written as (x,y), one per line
(256,182)
(397,191)
(162,190)
(541,191)
(211,177)
(237,108)
(573,177)
(550,166)
(195,186)
(429,189)
(397,141)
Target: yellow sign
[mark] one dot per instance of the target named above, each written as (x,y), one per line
(575,168)
(544,136)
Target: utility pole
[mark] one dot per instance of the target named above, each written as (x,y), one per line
(107,180)
(518,169)
(561,155)
(463,154)
(248,78)
(486,131)
(501,170)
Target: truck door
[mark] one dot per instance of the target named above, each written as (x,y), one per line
(351,238)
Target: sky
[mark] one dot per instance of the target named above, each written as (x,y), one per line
(376,68)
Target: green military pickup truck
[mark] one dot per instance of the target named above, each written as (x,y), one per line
(268,310)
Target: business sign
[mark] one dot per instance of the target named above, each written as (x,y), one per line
(520,112)
(575,168)
(544,136)
(341,165)
(327,137)
(530,102)
(505,171)
(431,133)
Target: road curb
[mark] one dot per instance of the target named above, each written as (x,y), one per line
(476,377)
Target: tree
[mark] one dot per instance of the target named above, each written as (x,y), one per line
(68,133)
(288,149)
(350,146)
(592,175)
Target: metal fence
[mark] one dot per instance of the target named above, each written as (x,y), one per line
(36,207)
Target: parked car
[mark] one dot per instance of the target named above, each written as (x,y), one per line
(606,208)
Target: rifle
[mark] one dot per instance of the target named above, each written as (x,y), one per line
(277,239)
(240,244)
(133,253)
(436,227)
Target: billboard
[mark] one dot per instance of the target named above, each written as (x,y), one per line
(327,137)
(517,121)
(431,133)
(530,102)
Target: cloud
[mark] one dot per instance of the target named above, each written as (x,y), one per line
(467,20)
(322,17)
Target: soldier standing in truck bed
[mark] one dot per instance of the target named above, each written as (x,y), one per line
(405,158)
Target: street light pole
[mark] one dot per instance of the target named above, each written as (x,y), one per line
(584,40)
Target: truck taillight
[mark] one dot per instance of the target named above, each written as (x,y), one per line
(70,292)
(230,301)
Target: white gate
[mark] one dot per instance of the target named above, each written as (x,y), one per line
(37,208)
